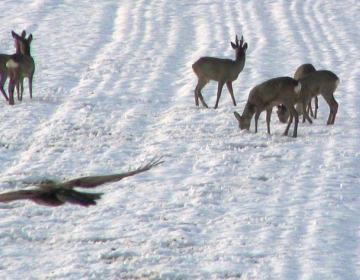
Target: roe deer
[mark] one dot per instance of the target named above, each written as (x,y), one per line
(282,90)
(4,71)
(323,82)
(224,71)
(302,71)
(302,102)
(283,114)
(20,66)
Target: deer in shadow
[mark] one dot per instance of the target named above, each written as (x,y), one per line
(20,65)
(4,71)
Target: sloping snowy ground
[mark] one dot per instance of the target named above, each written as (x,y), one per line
(114,87)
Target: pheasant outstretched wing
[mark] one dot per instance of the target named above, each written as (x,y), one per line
(21,194)
(50,193)
(94,181)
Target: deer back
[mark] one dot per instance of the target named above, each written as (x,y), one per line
(321,82)
(274,92)
(217,69)
(304,70)
(224,70)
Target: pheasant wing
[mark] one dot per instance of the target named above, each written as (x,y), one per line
(94,181)
(21,194)
(78,198)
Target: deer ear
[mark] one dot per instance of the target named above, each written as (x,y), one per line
(237,116)
(14,35)
(30,37)
(233,45)
(245,46)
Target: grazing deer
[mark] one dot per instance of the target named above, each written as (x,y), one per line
(302,102)
(4,71)
(264,97)
(20,66)
(224,71)
(283,114)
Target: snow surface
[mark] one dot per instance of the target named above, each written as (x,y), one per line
(114,87)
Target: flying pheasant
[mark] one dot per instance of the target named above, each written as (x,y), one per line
(50,193)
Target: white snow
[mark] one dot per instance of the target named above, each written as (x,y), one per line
(114,87)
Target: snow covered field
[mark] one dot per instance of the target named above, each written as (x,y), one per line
(114,87)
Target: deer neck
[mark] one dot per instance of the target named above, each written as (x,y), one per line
(249,111)
(240,62)
(25,49)
(17,48)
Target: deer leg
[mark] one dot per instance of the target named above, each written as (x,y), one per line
(257,115)
(309,108)
(22,86)
(20,89)
(268,118)
(11,91)
(220,86)
(288,125)
(305,113)
(316,106)
(293,114)
(300,108)
(13,82)
(202,100)
(2,82)
(330,100)
(335,112)
(304,117)
(230,88)
(296,126)
(198,95)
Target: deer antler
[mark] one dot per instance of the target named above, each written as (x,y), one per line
(236,40)
(241,41)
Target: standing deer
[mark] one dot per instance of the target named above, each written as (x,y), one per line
(263,97)
(283,113)
(4,71)
(323,82)
(20,66)
(224,71)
